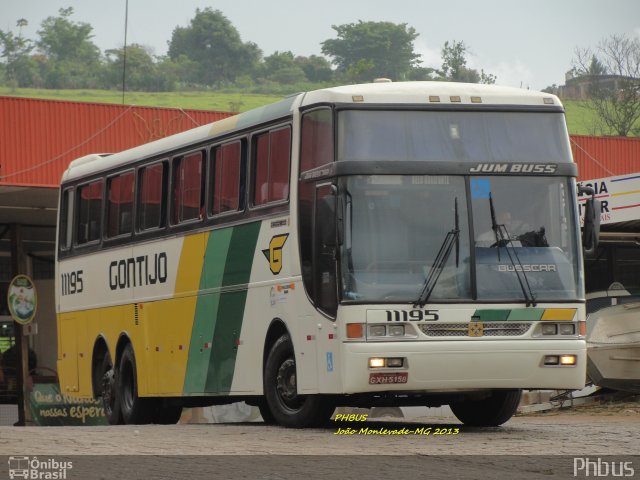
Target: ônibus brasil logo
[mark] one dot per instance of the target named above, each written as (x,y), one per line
(33,468)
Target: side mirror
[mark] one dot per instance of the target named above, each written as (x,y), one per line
(591,225)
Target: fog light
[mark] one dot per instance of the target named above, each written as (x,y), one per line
(395,362)
(568,359)
(396,330)
(549,329)
(376,362)
(567,329)
(377,330)
(551,360)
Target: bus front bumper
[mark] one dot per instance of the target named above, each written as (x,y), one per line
(454,365)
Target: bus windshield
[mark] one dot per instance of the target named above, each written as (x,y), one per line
(457,136)
(395,226)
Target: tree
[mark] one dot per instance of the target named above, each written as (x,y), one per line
(613,73)
(315,67)
(280,67)
(73,58)
(141,71)
(214,44)
(454,65)
(366,50)
(21,70)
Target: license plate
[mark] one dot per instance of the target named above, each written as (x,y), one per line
(387,378)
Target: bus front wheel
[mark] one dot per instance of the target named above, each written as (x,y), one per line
(490,411)
(287,407)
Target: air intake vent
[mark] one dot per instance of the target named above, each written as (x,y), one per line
(492,329)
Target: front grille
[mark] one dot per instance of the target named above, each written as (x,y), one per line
(490,329)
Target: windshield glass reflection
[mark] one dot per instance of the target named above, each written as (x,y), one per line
(394,228)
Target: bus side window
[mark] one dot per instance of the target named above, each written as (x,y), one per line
(187,187)
(119,204)
(316,146)
(226,178)
(271,160)
(151,197)
(66,219)
(89,212)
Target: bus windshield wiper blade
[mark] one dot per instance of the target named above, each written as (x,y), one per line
(440,261)
(503,239)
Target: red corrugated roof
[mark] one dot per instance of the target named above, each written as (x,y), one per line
(38,138)
(599,157)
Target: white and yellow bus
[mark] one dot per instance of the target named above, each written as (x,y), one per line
(381,244)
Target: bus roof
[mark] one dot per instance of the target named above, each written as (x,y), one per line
(429,93)
(414,93)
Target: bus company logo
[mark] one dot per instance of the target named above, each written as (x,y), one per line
(544,168)
(476,329)
(33,468)
(273,254)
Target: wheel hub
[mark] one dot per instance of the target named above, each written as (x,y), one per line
(286,381)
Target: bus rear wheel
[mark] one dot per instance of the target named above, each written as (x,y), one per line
(135,410)
(281,391)
(108,391)
(490,411)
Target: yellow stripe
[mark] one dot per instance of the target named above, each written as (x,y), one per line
(557,314)
(171,321)
(190,268)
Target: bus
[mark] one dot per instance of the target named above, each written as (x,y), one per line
(383,244)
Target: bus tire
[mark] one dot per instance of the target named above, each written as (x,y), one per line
(135,410)
(488,412)
(109,392)
(280,387)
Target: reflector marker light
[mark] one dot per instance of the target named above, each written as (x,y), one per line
(355,330)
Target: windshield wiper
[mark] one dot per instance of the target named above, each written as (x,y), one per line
(503,239)
(440,261)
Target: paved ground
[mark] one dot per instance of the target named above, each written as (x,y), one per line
(588,431)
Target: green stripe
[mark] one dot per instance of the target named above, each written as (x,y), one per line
(525,314)
(206,310)
(515,315)
(490,315)
(230,312)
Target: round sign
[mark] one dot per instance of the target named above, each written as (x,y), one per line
(22,299)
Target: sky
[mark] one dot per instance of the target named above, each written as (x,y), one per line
(524,44)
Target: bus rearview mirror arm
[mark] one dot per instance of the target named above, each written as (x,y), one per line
(591,226)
